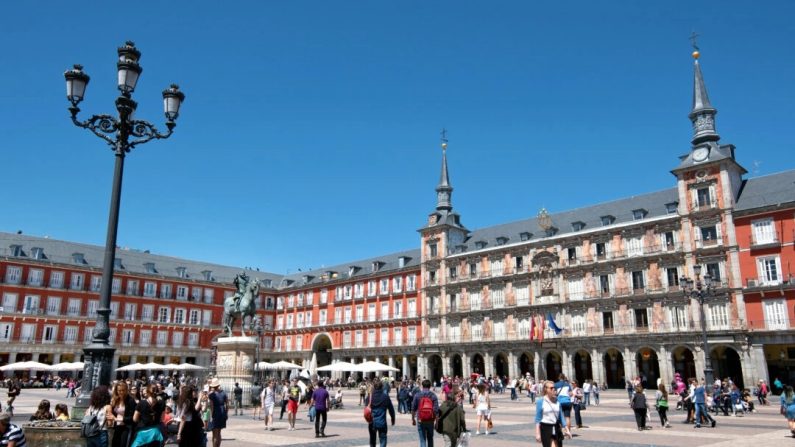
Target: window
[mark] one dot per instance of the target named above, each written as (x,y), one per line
(713,270)
(73,310)
(668,240)
(576,291)
(177,339)
(290,301)
(165,291)
(129,311)
(371,316)
(194,317)
(6,330)
(149,289)
(322,317)
(209,294)
(412,308)
(70,335)
(280,322)
(607,220)
(162,339)
(290,321)
(763,232)
(578,325)
(384,311)
(13,274)
(453,272)
(412,336)
(346,291)
(717,316)
(338,316)
(132,287)
(571,254)
(604,285)
(637,281)
(703,197)
(359,339)
(398,334)
(601,251)
(93,305)
(496,267)
(96,283)
(31,305)
(310,298)
(371,288)
(116,285)
(308,319)
(49,334)
(638,214)
(56,280)
(371,338)
(498,297)
(77,281)
(432,250)
(384,336)
(28,334)
(146,337)
(398,306)
(359,314)
(147,311)
(54,305)
(163,314)
(672,274)
(522,295)
(634,246)
(114,310)
(677,315)
(299,320)
(383,287)
(641,318)
(182,293)
(127,337)
(769,268)
(323,296)
(607,322)
(35,277)
(709,235)
(518,264)
(88,334)
(193,340)
(346,339)
(474,300)
(358,290)
(397,284)
(179,316)
(670,208)
(411,283)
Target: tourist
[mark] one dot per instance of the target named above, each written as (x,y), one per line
(99,406)
(762,393)
(256,402)
(12,392)
(61,412)
(661,403)
(700,400)
(577,397)
(237,393)
(423,413)
(220,410)
(147,419)
(190,432)
(123,408)
(320,401)
(362,392)
(483,407)
(452,417)
(292,403)
(563,388)
(595,390)
(380,404)
(586,390)
(268,398)
(788,407)
(549,416)
(10,434)
(640,407)
(205,408)
(285,393)
(43,412)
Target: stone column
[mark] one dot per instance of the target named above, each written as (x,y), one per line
(392,364)
(466,368)
(406,367)
(666,365)
(56,358)
(488,367)
(597,368)
(630,370)
(422,366)
(754,365)
(512,366)
(565,364)
(537,367)
(698,358)
(446,366)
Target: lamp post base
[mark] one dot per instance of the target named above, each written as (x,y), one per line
(709,378)
(97,371)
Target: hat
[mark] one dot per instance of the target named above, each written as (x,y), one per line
(215,383)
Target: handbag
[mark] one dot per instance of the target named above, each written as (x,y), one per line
(439,427)
(489,423)
(368,412)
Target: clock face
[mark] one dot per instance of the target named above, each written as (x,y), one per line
(700,154)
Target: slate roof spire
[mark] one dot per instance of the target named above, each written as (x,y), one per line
(444,191)
(703,114)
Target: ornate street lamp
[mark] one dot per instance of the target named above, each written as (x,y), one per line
(117,132)
(258,328)
(700,290)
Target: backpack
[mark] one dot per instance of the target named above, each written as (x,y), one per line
(426,413)
(89,425)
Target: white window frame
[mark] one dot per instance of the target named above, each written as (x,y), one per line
(775,312)
(769,269)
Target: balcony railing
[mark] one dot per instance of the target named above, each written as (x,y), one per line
(709,242)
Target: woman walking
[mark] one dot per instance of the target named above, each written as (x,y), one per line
(788,407)
(483,407)
(661,399)
(99,406)
(549,429)
(123,407)
(639,406)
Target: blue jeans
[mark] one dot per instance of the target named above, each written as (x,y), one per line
(513,393)
(587,400)
(98,441)
(381,435)
(701,409)
(425,430)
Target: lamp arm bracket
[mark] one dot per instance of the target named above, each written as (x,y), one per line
(101,125)
(145,131)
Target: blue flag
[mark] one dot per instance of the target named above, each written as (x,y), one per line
(552,325)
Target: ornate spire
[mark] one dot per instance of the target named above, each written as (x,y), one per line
(444,191)
(703,114)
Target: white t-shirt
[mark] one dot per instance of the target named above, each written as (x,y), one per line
(551,412)
(586,387)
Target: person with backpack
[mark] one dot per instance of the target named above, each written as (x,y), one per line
(563,390)
(94,425)
(639,407)
(549,416)
(380,404)
(452,420)
(424,409)
(483,406)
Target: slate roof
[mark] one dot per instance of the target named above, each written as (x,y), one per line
(768,190)
(363,268)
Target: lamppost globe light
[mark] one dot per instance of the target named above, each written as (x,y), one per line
(128,68)
(697,270)
(76,83)
(172,100)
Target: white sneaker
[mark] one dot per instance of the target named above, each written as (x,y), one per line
(477,432)
(487,432)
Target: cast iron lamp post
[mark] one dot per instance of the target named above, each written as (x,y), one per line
(117,132)
(700,290)
(258,328)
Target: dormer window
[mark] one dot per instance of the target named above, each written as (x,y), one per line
(402,261)
(149,267)
(78,258)
(502,240)
(607,220)
(267,283)
(525,236)
(207,275)
(352,270)
(577,226)
(460,248)
(182,272)
(330,274)
(37,253)
(308,279)
(287,282)
(670,208)
(117,265)
(376,266)
(16,250)
(639,214)
(551,231)
(480,244)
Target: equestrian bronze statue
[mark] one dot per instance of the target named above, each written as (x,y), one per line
(241,304)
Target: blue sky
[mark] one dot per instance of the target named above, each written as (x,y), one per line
(310,133)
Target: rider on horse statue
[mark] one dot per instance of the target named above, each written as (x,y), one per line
(241,281)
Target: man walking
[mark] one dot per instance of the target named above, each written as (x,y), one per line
(586,389)
(700,398)
(320,400)
(238,395)
(424,409)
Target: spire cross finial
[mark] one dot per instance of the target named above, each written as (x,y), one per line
(444,138)
(693,37)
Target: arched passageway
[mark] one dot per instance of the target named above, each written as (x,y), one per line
(526,364)
(321,351)
(614,368)
(478,365)
(582,366)
(684,362)
(435,368)
(552,364)
(648,367)
(501,365)
(726,363)
(458,365)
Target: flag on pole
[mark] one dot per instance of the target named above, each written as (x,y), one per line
(552,325)
(532,328)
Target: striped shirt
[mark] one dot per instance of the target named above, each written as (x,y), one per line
(13,433)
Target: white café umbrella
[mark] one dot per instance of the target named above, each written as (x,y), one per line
(29,365)
(68,366)
(171,367)
(131,367)
(261,366)
(371,366)
(190,367)
(339,366)
(152,365)
(284,365)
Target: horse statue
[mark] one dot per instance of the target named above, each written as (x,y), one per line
(241,305)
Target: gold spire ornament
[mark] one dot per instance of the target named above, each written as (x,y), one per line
(696,52)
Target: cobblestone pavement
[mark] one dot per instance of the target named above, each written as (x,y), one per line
(610,424)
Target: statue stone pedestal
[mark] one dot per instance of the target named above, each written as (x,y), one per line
(235,358)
